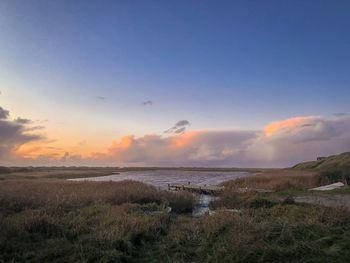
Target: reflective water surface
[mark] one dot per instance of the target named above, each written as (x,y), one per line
(161,178)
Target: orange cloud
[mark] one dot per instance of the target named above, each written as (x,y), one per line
(35,151)
(304,137)
(55,150)
(123,144)
(275,127)
(184,139)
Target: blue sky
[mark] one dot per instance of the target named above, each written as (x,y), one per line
(218,64)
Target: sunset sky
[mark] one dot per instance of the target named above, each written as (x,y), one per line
(173,83)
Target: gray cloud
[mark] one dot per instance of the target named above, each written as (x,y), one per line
(4,114)
(147,103)
(203,148)
(324,136)
(283,148)
(34,128)
(101,98)
(65,157)
(22,121)
(179,127)
(180,130)
(339,114)
(83,142)
(291,141)
(13,133)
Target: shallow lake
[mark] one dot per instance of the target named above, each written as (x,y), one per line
(161,178)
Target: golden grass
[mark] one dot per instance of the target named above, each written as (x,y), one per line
(56,172)
(279,179)
(17,195)
(64,221)
(284,233)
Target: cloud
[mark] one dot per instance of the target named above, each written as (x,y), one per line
(22,121)
(65,157)
(280,144)
(299,142)
(202,148)
(14,133)
(4,114)
(179,127)
(339,114)
(83,142)
(286,125)
(147,103)
(101,98)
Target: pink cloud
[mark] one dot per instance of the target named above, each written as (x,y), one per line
(280,144)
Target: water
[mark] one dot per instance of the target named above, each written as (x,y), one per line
(161,179)
(202,205)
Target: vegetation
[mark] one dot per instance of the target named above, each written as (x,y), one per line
(340,161)
(51,220)
(282,233)
(57,221)
(53,172)
(335,168)
(83,172)
(277,179)
(300,177)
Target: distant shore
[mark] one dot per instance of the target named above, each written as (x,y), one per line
(82,172)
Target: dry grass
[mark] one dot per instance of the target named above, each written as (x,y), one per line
(17,195)
(65,221)
(96,233)
(61,221)
(274,179)
(278,180)
(283,233)
(54,172)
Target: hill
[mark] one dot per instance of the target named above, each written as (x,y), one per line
(335,161)
(335,167)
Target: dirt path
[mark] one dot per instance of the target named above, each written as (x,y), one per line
(326,200)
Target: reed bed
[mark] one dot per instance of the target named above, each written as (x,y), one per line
(280,179)
(17,195)
(59,221)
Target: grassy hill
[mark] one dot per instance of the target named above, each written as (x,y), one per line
(340,161)
(335,167)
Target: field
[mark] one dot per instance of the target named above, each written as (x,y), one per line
(53,220)
(83,172)
(53,172)
(57,221)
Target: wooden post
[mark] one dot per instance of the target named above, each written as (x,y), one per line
(168,187)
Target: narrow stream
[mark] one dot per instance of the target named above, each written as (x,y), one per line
(202,205)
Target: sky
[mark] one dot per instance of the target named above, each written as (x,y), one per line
(173,83)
